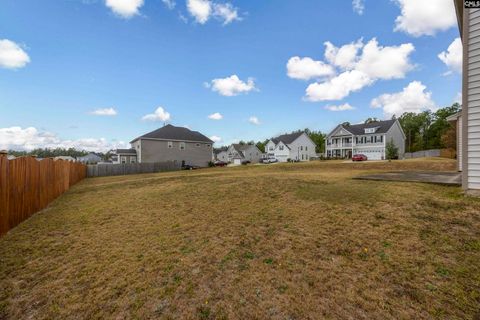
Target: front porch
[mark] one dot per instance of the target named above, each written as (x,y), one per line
(339,153)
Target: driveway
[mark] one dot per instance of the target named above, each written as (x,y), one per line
(446,178)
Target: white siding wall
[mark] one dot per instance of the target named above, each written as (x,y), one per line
(473,101)
(395,133)
(282,155)
(302,142)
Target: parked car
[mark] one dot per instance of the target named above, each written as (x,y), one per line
(189,167)
(220,164)
(359,157)
(244,162)
(269,160)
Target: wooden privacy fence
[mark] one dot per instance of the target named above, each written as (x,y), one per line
(118,169)
(28,185)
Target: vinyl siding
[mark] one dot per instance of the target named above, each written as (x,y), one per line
(395,133)
(473,100)
(158,151)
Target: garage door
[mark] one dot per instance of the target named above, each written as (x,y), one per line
(237,161)
(372,154)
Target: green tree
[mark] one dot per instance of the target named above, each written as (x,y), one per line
(391,150)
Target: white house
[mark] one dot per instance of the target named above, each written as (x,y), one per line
(238,153)
(369,139)
(456,120)
(294,146)
(469,25)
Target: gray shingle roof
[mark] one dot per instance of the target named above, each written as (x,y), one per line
(359,129)
(170,132)
(287,138)
(125,151)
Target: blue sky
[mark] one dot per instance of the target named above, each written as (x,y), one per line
(60,61)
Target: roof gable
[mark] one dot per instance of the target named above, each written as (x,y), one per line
(287,138)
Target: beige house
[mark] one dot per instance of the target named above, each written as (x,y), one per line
(469,25)
(169,143)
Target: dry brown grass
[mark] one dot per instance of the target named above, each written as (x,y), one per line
(290,241)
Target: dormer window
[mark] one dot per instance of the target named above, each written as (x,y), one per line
(370,130)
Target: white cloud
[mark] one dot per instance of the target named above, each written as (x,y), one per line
(358,6)
(307,68)
(343,107)
(200,10)
(226,12)
(385,62)
(215,116)
(362,65)
(17,138)
(254,120)
(338,87)
(203,10)
(231,86)
(453,56)
(425,17)
(12,56)
(344,57)
(412,98)
(215,139)
(125,8)
(170,4)
(159,115)
(104,112)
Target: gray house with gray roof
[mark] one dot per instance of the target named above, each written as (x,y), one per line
(369,139)
(293,146)
(169,143)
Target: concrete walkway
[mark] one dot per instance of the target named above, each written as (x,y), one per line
(446,178)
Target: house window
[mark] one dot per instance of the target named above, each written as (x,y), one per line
(280,148)
(182,145)
(270,148)
(301,148)
(306,148)
(123,159)
(170,144)
(133,159)
(370,130)
(197,144)
(209,145)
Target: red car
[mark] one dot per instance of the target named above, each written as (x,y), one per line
(359,157)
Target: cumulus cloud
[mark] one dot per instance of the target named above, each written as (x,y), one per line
(104,112)
(124,8)
(358,6)
(360,65)
(200,10)
(225,12)
(425,17)
(12,56)
(215,139)
(413,98)
(338,87)
(203,10)
(307,68)
(170,4)
(342,107)
(453,56)
(231,86)
(215,116)
(254,120)
(344,57)
(159,115)
(17,138)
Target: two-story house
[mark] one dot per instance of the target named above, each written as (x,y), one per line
(169,143)
(369,139)
(238,153)
(294,146)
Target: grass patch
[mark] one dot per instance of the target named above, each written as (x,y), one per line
(298,241)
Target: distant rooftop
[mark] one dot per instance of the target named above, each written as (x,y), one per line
(170,132)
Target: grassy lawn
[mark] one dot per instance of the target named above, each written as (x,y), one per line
(286,241)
